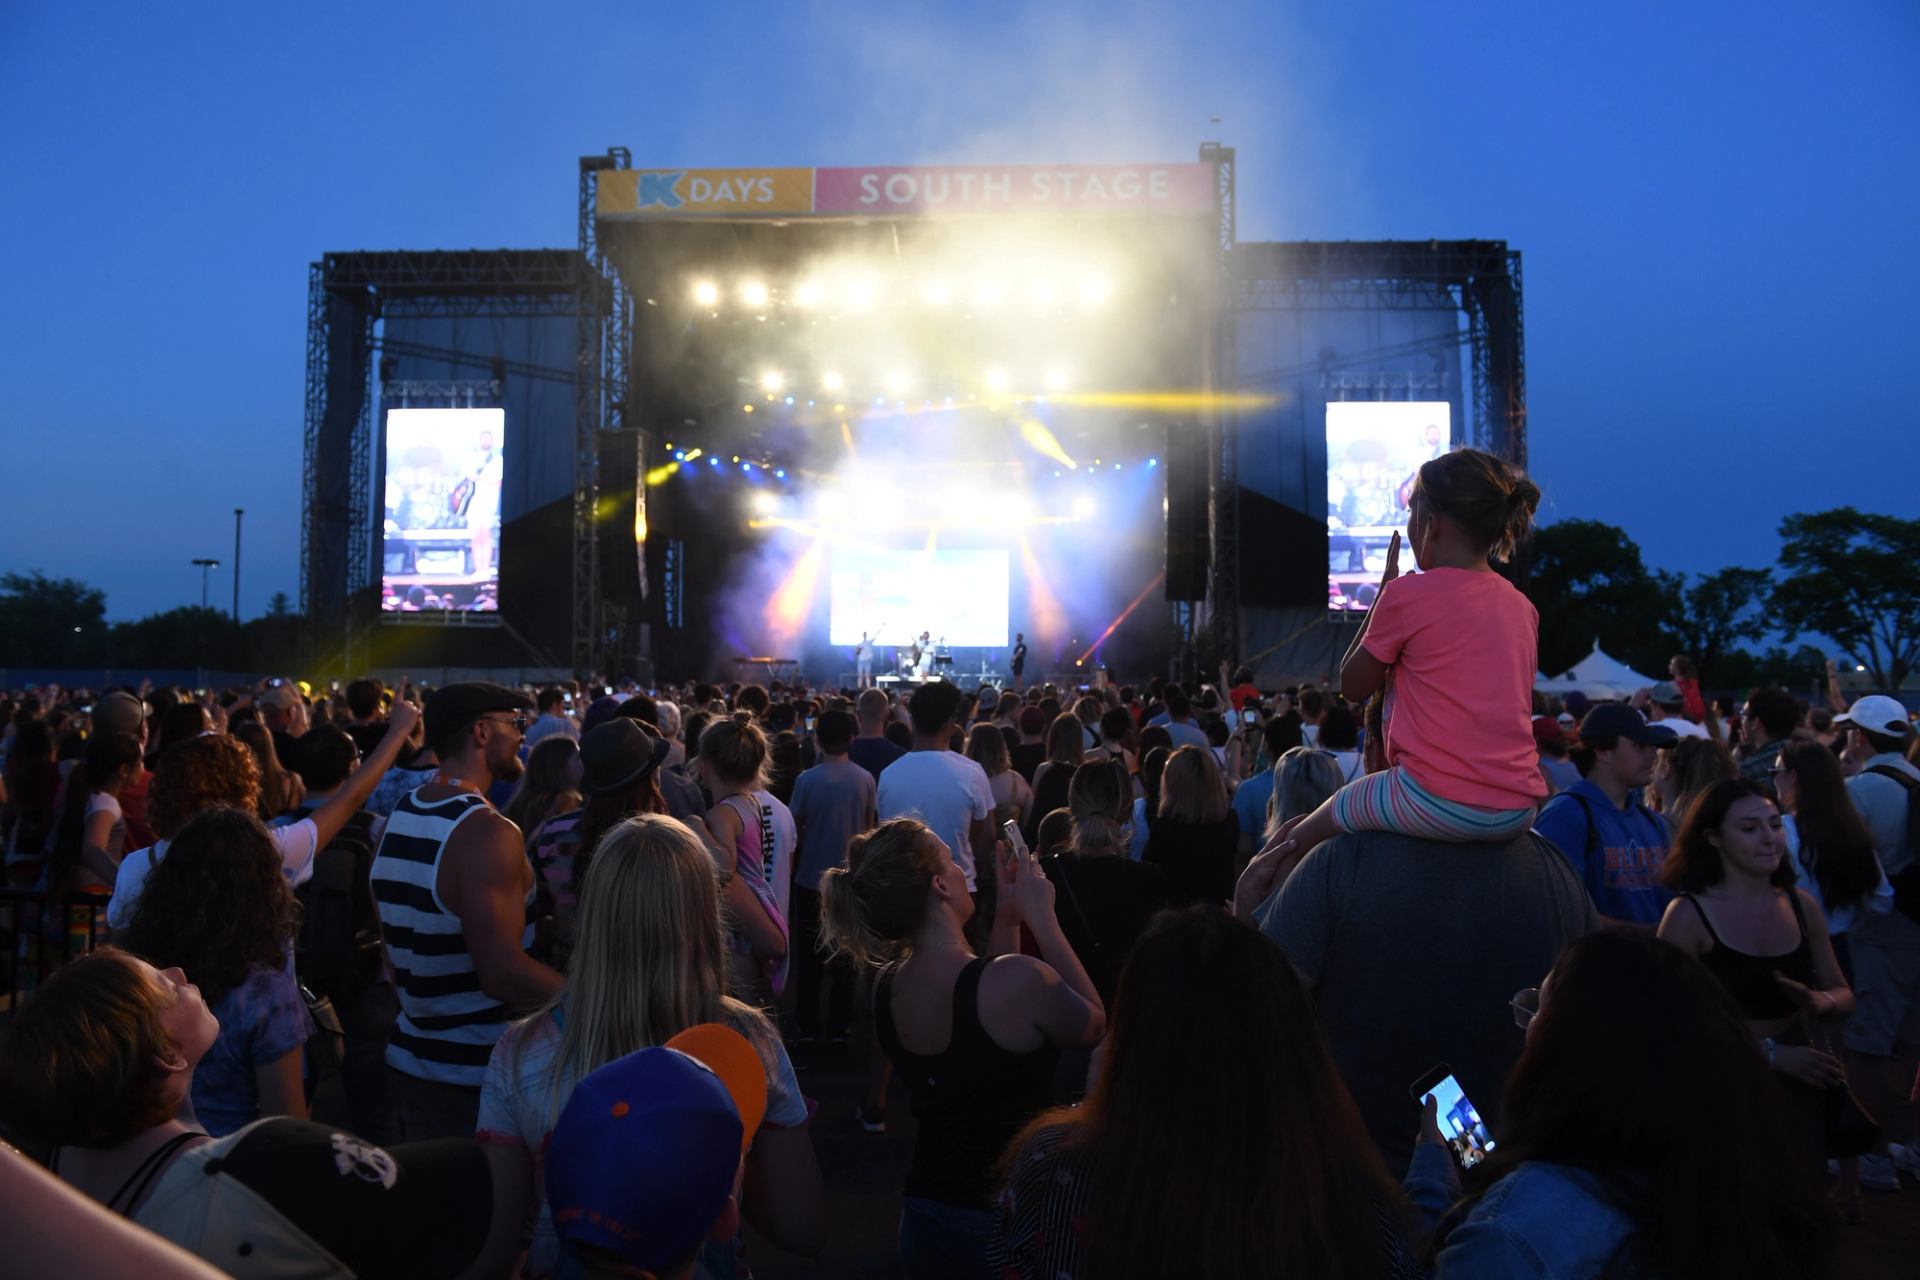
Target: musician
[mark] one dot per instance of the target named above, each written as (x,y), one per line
(1019,657)
(863,663)
(923,655)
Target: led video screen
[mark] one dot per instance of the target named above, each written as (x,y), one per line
(1374,450)
(440,531)
(959,598)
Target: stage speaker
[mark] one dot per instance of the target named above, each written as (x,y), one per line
(1189,554)
(620,520)
(1283,555)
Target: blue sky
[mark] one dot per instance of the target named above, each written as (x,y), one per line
(1716,204)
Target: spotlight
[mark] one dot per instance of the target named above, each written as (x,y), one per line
(1153,462)
(679,455)
(937,294)
(746,408)
(706,293)
(1095,290)
(1056,379)
(747,467)
(808,294)
(987,294)
(996,379)
(780,475)
(1083,508)
(861,291)
(736,457)
(897,381)
(1040,294)
(765,503)
(772,380)
(789,399)
(753,293)
(831,381)
(713,462)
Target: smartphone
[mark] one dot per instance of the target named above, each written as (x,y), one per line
(1250,716)
(1011,830)
(569,699)
(1460,1123)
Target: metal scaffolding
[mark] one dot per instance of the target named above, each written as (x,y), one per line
(604,311)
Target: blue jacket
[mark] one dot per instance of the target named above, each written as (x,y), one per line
(1540,1222)
(1617,853)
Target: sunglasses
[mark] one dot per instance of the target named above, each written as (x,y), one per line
(519,720)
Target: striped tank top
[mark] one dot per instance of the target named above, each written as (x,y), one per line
(447,1025)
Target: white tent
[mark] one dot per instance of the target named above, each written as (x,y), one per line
(1596,675)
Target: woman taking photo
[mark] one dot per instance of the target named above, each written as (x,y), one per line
(219,909)
(975,1039)
(1196,837)
(1765,940)
(1217,1141)
(1635,1131)
(649,961)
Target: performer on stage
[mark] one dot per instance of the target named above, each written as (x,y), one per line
(863,663)
(923,655)
(1019,657)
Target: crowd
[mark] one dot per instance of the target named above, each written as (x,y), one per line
(490,981)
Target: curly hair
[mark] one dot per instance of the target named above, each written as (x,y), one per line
(217,905)
(198,774)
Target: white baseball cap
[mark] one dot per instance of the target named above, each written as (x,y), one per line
(1877,713)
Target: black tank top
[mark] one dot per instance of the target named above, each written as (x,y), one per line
(970,1099)
(1749,978)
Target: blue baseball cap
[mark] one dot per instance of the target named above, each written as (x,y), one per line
(648,1148)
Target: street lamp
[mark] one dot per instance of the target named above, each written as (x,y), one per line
(205,565)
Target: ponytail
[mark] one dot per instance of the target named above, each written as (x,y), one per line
(1490,499)
(871,907)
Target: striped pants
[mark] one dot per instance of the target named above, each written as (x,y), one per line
(1392,801)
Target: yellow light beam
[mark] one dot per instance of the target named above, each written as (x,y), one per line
(1035,434)
(1166,401)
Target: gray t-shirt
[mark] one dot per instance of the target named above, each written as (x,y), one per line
(832,803)
(1413,950)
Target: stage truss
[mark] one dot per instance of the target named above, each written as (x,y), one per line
(347,293)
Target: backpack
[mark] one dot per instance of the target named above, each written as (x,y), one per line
(1906,885)
(337,952)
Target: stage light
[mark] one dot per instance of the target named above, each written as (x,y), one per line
(713,462)
(1083,508)
(937,293)
(680,455)
(706,293)
(860,292)
(765,503)
(897,381)
(832,381)
(1056,379)
(753,293)
(693,453)
(747,467)
(746,408)
(1153,462)
(808,294)
(987,294)
(772,380)
(789,399)
(736,457)
(996,379)
(1095,290)
(1040,294)
(779,475)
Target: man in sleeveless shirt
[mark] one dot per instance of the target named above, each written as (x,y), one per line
(454,886)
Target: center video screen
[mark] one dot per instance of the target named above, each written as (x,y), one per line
(440,527)
(1374,450)
(958,597)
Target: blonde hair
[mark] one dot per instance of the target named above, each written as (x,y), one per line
(735,750)
(1191,789)
(872,907)
(1303,778)
(987,747)
(649,957)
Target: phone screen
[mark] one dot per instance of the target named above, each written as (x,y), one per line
(1249,716)
(1011,830)
(1460,1123)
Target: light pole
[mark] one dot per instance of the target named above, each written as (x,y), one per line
(237,513)
(205,565)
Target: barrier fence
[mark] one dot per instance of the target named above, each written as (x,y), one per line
(41,934)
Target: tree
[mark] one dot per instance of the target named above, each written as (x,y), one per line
(1718,611)
(279,606)
(1854,577)
(51,622)
(1589,583)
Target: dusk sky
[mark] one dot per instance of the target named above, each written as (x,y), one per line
(1716,204)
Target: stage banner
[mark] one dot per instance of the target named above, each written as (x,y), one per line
(693,193)
(962,189)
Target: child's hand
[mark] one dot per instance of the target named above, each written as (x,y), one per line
(1393,560)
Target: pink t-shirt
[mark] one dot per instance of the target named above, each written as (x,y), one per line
(1462,645)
